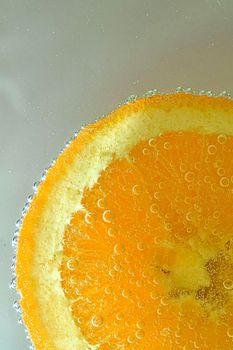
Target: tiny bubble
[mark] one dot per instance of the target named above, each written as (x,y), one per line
(154,208)
(13,283)
(222,139)
(220,171)
(228,284)
(230,332)
(189,176)
(145,151)
(165,331)
(224,182)
(97,321)
(167,145)
(72,264)
(212,149)
(137,190)
(152,142)
(140,324)
(107,216)
(139,334)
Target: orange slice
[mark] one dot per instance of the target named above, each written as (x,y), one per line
(128,243)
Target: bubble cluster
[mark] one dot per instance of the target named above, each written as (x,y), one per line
(148,262)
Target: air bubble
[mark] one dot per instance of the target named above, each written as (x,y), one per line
(167,145)
(88,218)
(225,94)
(97,321)
(202,92)
(154,295)
(157,195)
(107,216)
(101,203)
(228,284)
(206,179)
(13,283)
(164,301)
(140,304)
(140,324)
(73,280)
(80,320)
(130,339)
(116,336)
(151,93)
(111,232)
(139,283)
(18,224)
(25,208)
(152,142)
(30,198)
(222,139)
(196,346)
(189,176)
(189,90)
(117,267)
(16,306)
(131,272)
(35,186)
(118,249)
(126,293)
(197,166)
(119,316)
(145,151)
(14,241)
(212,149)
(216,214)
(72,264)
(141,246)
(165,331)
(189,216)
(224,182)
(20,320)
(131,98)
(137,190)
(230,332)
(182,167)
(220,171)
(154,208)
(108,290)
(168,226)
(180,89)
(139,334)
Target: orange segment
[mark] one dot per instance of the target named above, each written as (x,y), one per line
(148,249)
(129,240)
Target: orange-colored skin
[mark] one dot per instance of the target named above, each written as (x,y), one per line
(26,245)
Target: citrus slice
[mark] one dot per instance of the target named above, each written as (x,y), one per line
(128,243)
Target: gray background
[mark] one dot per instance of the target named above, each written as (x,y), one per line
(64,63)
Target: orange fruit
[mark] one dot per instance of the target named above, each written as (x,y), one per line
(128,242)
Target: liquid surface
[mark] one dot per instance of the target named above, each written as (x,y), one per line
(148,262)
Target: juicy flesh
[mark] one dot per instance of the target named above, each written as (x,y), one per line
(148,261)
